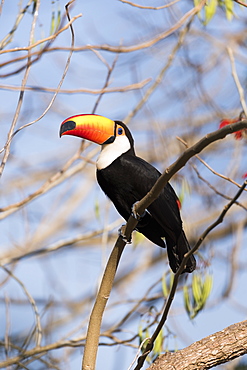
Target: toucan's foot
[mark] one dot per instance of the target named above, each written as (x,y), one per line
(123,236)
(135,214)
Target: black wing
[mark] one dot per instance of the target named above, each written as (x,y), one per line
(127,180)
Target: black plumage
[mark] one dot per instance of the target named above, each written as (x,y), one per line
(128,179)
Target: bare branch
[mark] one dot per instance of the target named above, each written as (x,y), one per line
(104,90)
(150,7)
(207,353)
(53,181)
(237,82)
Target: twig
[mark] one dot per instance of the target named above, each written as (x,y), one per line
(240,3)
(53,181)
(160,76)
(21,97)
(214,189)
(110,70)
(183,159)
(122,48)
(7,39)
(6,335)
(209,167)
(62,78)
(59,245)
(150,7)
(134,86)
(139,350)
(237,82)
(49,40)
(33,304)
(41,350)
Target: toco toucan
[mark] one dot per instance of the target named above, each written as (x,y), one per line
(126,178)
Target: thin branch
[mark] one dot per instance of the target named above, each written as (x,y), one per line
(64,243)
(183,159)
(241,3)
(150,7)
(49,40)
(33,304)
(8,38)
(214,189)
(160,76)
(209,167)
(21,97)
(171,296)
(53,181)
(110,70)
(41,350)
(122,48)
(237,82)
(62,78)
(134,86)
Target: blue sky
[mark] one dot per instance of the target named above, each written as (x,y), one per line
(175,108)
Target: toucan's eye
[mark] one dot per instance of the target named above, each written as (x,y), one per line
(120,131)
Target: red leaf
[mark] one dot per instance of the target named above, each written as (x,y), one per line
(238,134)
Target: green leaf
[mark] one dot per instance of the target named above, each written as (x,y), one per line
(197,289)
(196,297)
(137,238)
(52,28)
(58,18)
(185,190)
(207,287)
(158,344)
(97,209)
(165,288)
(229,9)
(210,10)
(187,302)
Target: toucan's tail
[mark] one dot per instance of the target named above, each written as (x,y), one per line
(176,251)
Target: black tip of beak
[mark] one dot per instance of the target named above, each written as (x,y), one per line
(67,126)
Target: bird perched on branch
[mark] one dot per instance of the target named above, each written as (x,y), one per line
(126,178)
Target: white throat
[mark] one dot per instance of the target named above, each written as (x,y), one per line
(110,152)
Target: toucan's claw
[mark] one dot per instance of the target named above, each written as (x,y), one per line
(123,236)
(136,214)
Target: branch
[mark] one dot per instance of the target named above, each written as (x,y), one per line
(160,76)
(119,48)
(130,87)
(150,7)
(56,179)
(183,159)
(12,131)
(208,352)
(172,293)
(91,346)
(20,99)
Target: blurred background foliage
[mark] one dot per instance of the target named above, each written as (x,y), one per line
(155,66)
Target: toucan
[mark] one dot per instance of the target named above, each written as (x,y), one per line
(125,179)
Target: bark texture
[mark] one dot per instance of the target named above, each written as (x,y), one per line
(208,352)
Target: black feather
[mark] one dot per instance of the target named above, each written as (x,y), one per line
(127,180)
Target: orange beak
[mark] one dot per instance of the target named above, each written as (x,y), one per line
(98,129)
